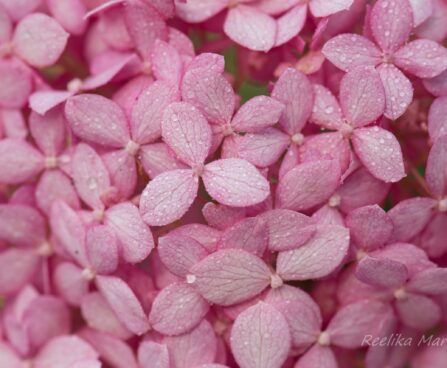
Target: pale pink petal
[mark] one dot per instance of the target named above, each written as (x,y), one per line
(437,85)
(398,90)
(294,90)
(158,158)
(124,303)
(153,355)
(207,236)
(8,357)
(19,267)
(70,14)
(13,122)
(317,258)
(147,112)
(430,282)
(97,119)
(308,185)
(181,42)
(145,26)
(208,61)
(16,84)
(423,58)
(257,114)
(5,25)
(381,272)
(422,10)
(230,276)
(290,24)
(418,312)
(287,229)
(63,352)
(437,124)
(48,131)
(211,93)
(122,170)
(177,309)
(349,326)
(39,40)
(70,283)
(22,225)
(194,348)
(326,111)
(250,234)
(262,149)
(370,227)
(235,182)
(432,238)
(220,216)
(380,152)
(99,316)
(43,101)
(90,175)
(134,236)
(318,357)
(260,337)
(324,8)
(187,132)
(436,173)
(391,23)
(197,11)
(167,197)
(19,161)
(167,63)
(250,28)
(290,160)
(17,9)
(101,246)
(410,217)
(362,96)
(348,51)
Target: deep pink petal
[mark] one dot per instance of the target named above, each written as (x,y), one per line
(16,84)
(326,111)
(437,125)
(290,24)
(164,7)
(324,8)
(158,158)
(431,282)
(381,272)
(167,197)
(418,312)
(230,276)
(260,337)
(436,173)
(220,216)
(317,258)
(250,28)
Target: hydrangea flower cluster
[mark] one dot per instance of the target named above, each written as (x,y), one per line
(223,184)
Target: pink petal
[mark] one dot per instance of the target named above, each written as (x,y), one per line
(437,125)
(348,51)
(134,236)
(410,217)
(18,9)
(349,326)
(250,28)
(70,283)
(318,357)
(164,7)
(147,112)
(158,158)
(260,337)
(422,10)
(323,8)
(317,258)
(205,235)
(381,272)
(208,61)
(256,114)
(167,64)
(370,227)
(230,276)
(326,110)
(220,216)
(287,229)
(124,303)
(177,309)
(167,197)
(145,26)
(8,357)
(235,182)
(22,225)
(430,282)
(398,90)
(438,85)
(362,96)
(423,58)
(250,234)
(63,352)
(13,122)
(187,132)
(18,267)
(308,185)
(16,84)
(391,23)
(196,11)
(436,173)
(97,119)
(202,338)
(43,101)
(90,175)
(433,235)
(102,249)
(294,90)
(19,161)
(418,312)
(70,14)
(290,24)
(211,93)
(48,131)
(380,152)
(5,25)
(99,316)
(39,40)
(153,355)
(122,170)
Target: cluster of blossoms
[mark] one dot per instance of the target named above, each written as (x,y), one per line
(163,208)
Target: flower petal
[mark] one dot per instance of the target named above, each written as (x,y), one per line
(101,246)
(16,82)
(70,283)
(436,173)
(437,125)
(381,272)
(438,85)
(318,357)
(167,64)
(290,24)
(324,8)
(153,355)
(418,312)
(430,282)
(326,110)
(19,267)
(43,101)
(197,11)
(70,14)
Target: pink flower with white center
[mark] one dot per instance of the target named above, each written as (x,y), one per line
(391,24)
(233,182)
